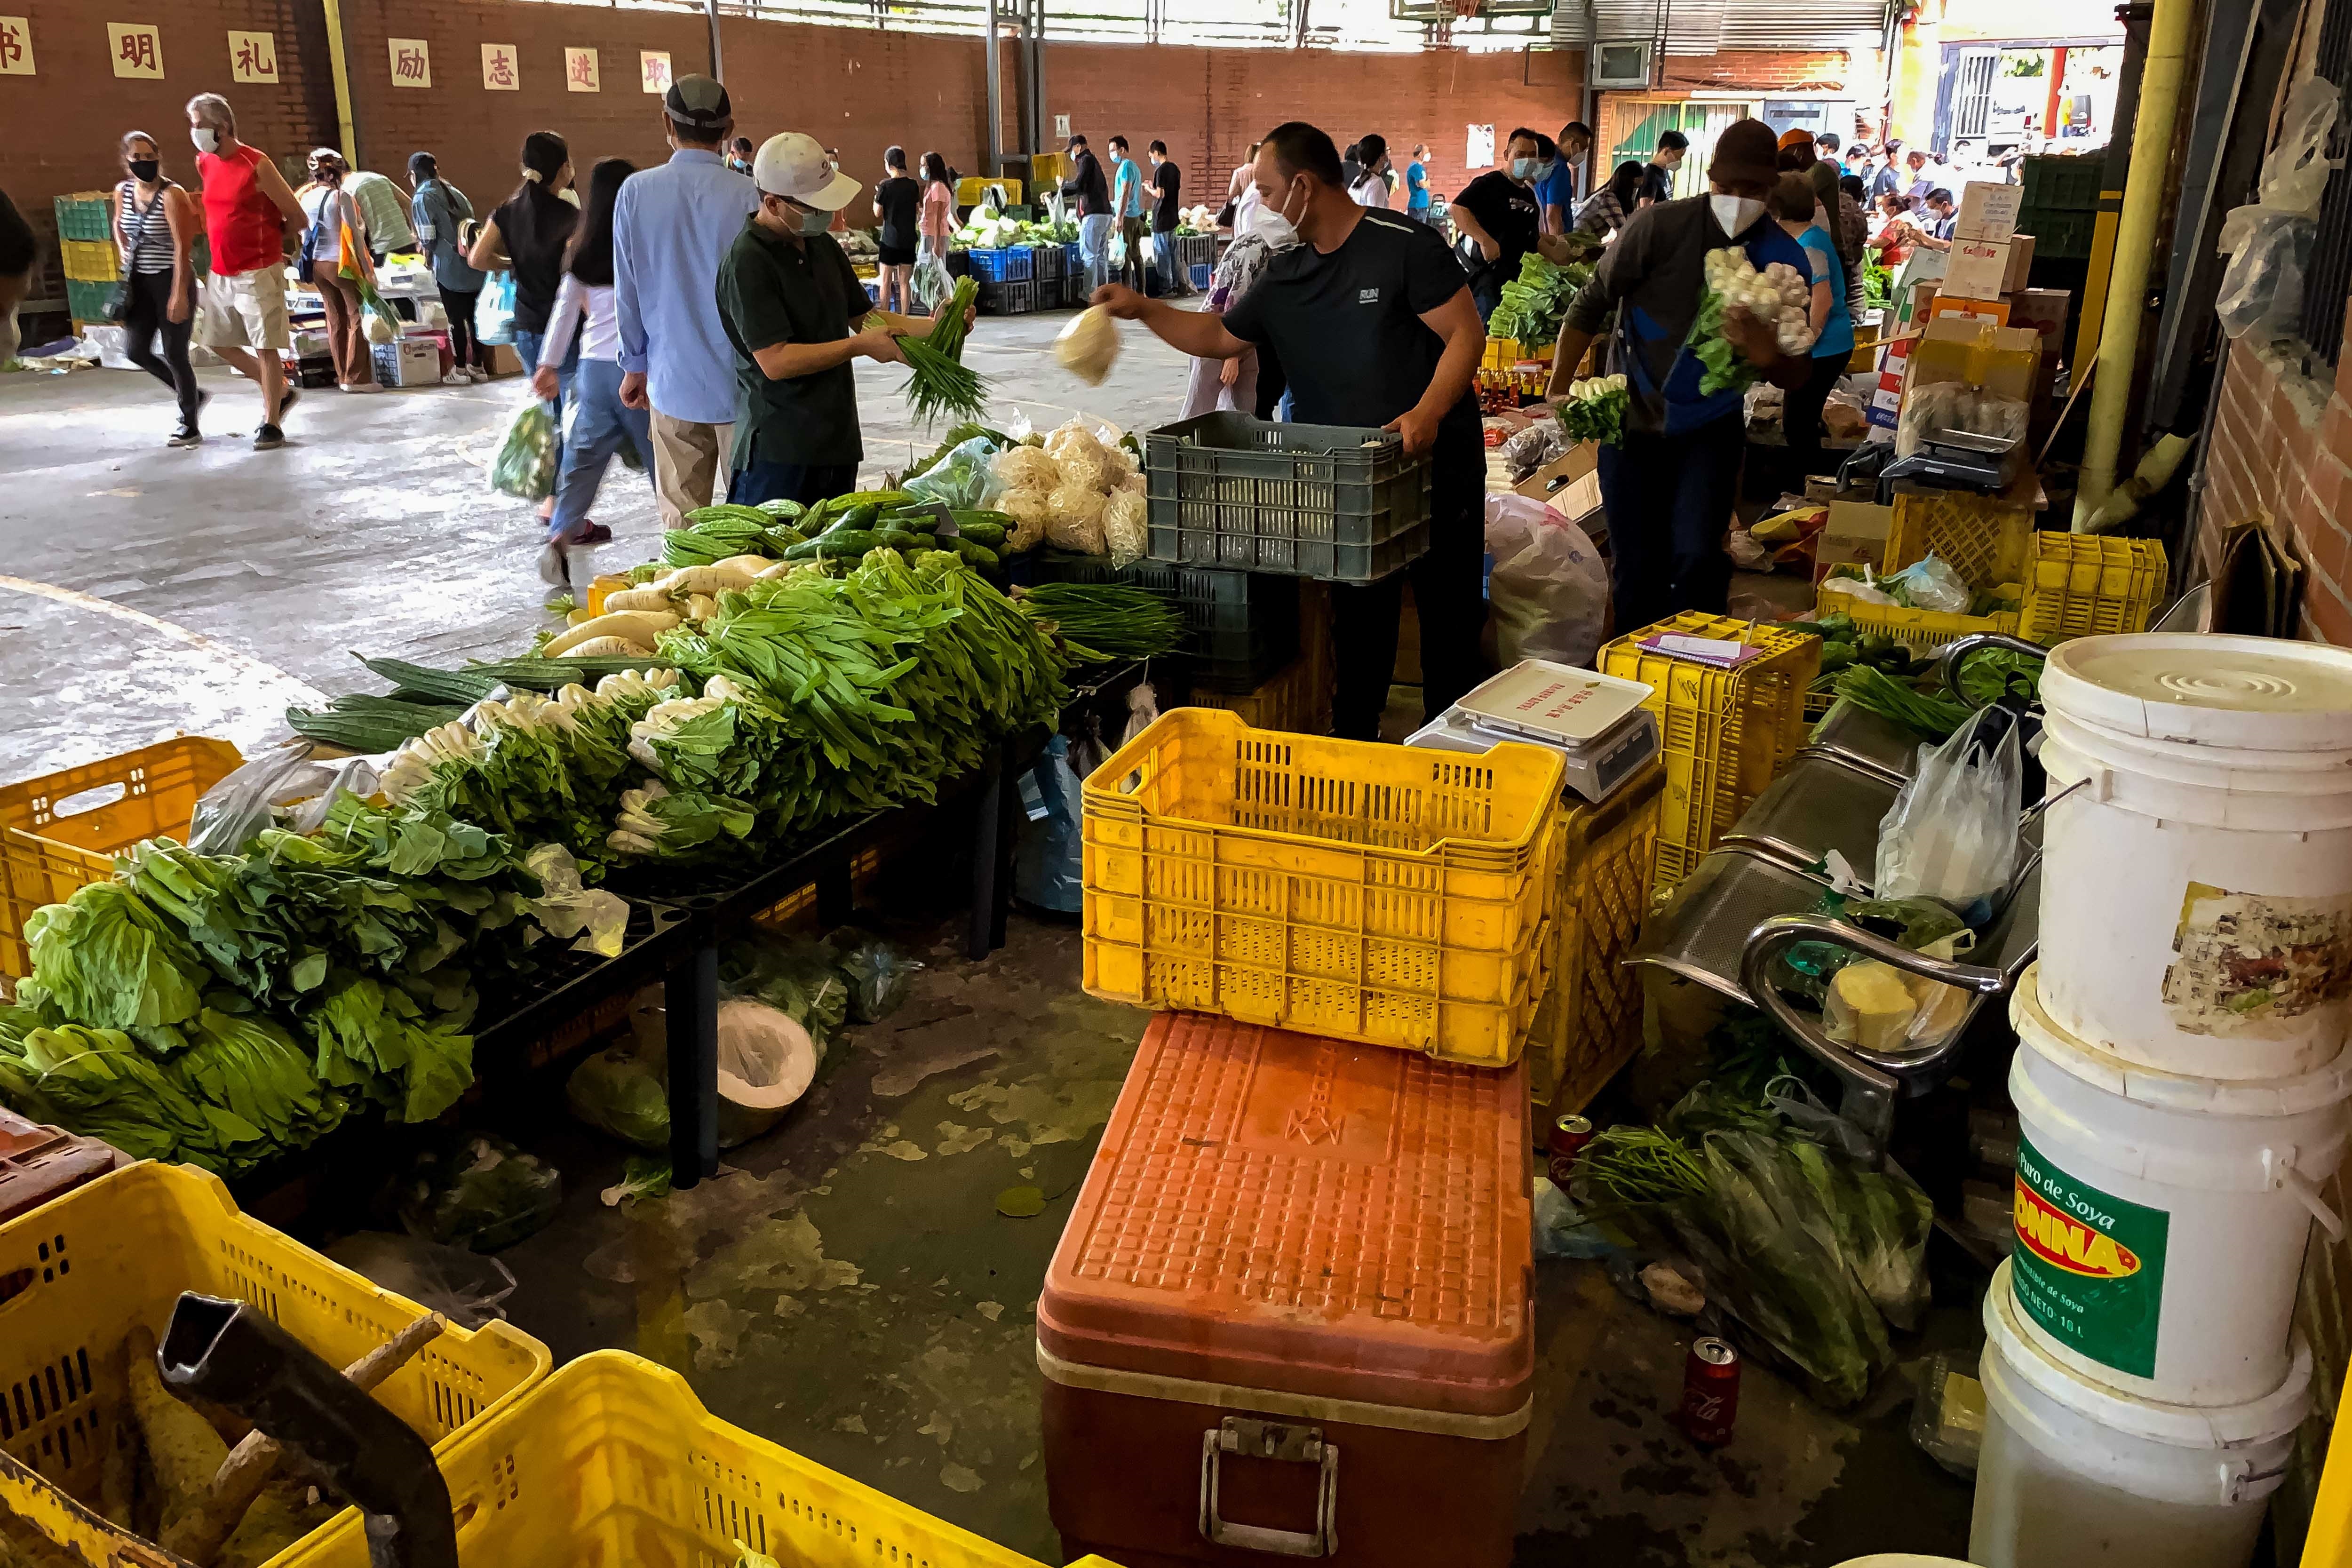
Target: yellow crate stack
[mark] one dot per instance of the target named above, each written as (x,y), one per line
(1381,894)
(1725,733)
(1986,539)
(2090,584)
(92,1265)
(1590,1023)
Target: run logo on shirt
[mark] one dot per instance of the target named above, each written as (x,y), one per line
(1368,296)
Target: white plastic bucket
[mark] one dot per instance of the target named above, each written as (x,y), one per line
(2161,1220)
(2075,1474)
(2196,861)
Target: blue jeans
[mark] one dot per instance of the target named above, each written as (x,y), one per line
(599,426)
(526,348)
(1093,243)
(1675,494)
(807,483)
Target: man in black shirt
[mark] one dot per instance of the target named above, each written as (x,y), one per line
(1086,187)
(1497,212)
(1658,175)
(895,201)
(1167,184)
(1372,319)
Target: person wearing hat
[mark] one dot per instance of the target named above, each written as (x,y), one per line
(795,315)
(1669,485)
(670,225)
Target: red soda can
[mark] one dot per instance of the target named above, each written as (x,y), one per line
(1710,1391)
(1570,1134)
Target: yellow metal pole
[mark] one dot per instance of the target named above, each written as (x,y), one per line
(348,135)
(2329,1544)
(2119,332)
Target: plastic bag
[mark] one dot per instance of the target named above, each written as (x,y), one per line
(525,465)
(879,975)
(1932,584)
(1088,346)
(932,281)
(1548,591)
(1124,520)
(475,1190)
(1046,861)
(1951,833)
(596,920)
(228,815)
(965,479)
(2269,241)
(494,317)
(464,1287)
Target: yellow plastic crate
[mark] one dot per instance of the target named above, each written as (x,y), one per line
(2086,585)
(1725,733)
(1364,892)
(1589,1024)
(1921,631)
(117,1253)
(52,842)
(1502,353)
(91,260)
(971,188)
(613,1463)
(1986,539)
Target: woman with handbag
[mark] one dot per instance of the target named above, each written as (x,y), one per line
(335,234)
(154,224)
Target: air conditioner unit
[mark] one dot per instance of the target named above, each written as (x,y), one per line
(1619,65)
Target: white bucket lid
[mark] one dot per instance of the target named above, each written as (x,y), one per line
(2101,1067)
(2259,693)
(1556,704)
(2263,1420)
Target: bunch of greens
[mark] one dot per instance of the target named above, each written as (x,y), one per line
(1877,286)
(1990,675)
(942,383)
(1930,717)
(1594,410)
(1105,621)
(1534,303)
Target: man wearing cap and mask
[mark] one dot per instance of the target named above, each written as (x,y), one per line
(1371,317)
(1669,487)
(795,315)
(671,224)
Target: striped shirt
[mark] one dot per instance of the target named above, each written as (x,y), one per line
(149,232)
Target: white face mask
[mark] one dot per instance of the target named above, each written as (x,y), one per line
(1734,213)
(1270,225)
(206,139)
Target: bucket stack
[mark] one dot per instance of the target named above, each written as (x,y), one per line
(2182,1084)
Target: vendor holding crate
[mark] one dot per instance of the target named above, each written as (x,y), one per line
(1668,488)
(1371,317)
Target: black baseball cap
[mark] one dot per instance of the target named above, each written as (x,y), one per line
(698,103)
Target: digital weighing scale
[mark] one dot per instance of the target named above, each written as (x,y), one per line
(1596,721)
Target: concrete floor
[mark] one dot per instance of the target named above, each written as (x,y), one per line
(849,1289)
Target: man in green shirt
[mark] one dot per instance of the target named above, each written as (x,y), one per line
(797,316)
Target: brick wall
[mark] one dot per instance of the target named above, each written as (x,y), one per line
(2277,452)
(1771,70)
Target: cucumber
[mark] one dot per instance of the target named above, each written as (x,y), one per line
(923,522)
(857,519)
(839,543)
(553,674)
(781,537)
(900,539)
(441,685)
(989,534)
(973,554)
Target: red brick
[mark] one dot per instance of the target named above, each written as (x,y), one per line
(2325,615)
(2327,550)
(2326,480)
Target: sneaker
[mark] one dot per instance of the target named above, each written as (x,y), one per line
(363,386)
(477,374)
(268,436)
(594,533)
(458,378)
(185,436)
(554,569)
(286,405)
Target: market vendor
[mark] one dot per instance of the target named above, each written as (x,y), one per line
(1669,488)
(797,315)
(1372,319)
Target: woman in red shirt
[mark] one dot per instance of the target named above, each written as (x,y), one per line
(247,204)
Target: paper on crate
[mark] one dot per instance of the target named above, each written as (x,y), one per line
(1987,211)
(1975,270)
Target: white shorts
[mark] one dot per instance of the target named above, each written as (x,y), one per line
(245,310)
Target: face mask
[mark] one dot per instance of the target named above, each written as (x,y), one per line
(146,169)
(1270,225)
(1735,212)
(206,139)
(1525,168)
(810,221)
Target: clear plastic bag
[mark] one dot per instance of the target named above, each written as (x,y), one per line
(475,1190)
(1550,591)
(464,1287)
(965,479)
(879,975)
(2269,241)
(250,797)
(1045,862)
(802,978)
(525,465)
(1933,584)
(766,1062)
(596,921)
(622,1094)
(1951,833)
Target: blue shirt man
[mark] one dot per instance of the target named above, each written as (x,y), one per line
(671,226)
(1416,184)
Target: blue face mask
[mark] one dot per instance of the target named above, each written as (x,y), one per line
(1525,168)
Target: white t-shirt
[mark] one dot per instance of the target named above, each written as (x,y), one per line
(1371,191)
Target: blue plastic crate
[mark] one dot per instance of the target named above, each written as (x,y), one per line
(1202,272)
(1012,265)
(1075,257)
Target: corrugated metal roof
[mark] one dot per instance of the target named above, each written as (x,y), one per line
(1709,27)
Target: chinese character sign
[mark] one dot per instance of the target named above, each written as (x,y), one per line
(653,66)
(580,71)
(411,62)
(137,49)
(16,46)
(500,73)
(253,56)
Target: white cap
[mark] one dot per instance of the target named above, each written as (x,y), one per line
(792,164)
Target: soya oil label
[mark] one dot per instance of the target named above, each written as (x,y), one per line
(2088,1266)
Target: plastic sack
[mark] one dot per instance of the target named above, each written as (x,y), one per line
(879,975)
(1932,584)
(1088,346)
(2269,241)
(1951,833)
(620,1093)
(464,1287)
(1045,860)
(475,1190)
(246,801)
(1548,591)
(525,465)
(494,316)
(766,1062)
(932,281)
(965,479)
(596,921)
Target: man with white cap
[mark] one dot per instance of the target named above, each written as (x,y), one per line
(797,314)
(671,224)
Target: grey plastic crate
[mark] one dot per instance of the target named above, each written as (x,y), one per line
(1340,503)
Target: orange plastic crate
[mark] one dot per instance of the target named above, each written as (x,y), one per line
(52,841)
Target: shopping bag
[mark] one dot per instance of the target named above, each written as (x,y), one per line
(525,465)
(1951,833)
(1549,590)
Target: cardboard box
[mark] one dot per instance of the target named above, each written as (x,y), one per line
(1975,270)
(504,361)
(2021,262)
(1988,210)
(2044,311)
(1855,536)
(1569,483)
(411,361)
(2004,360)
(1993,310)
